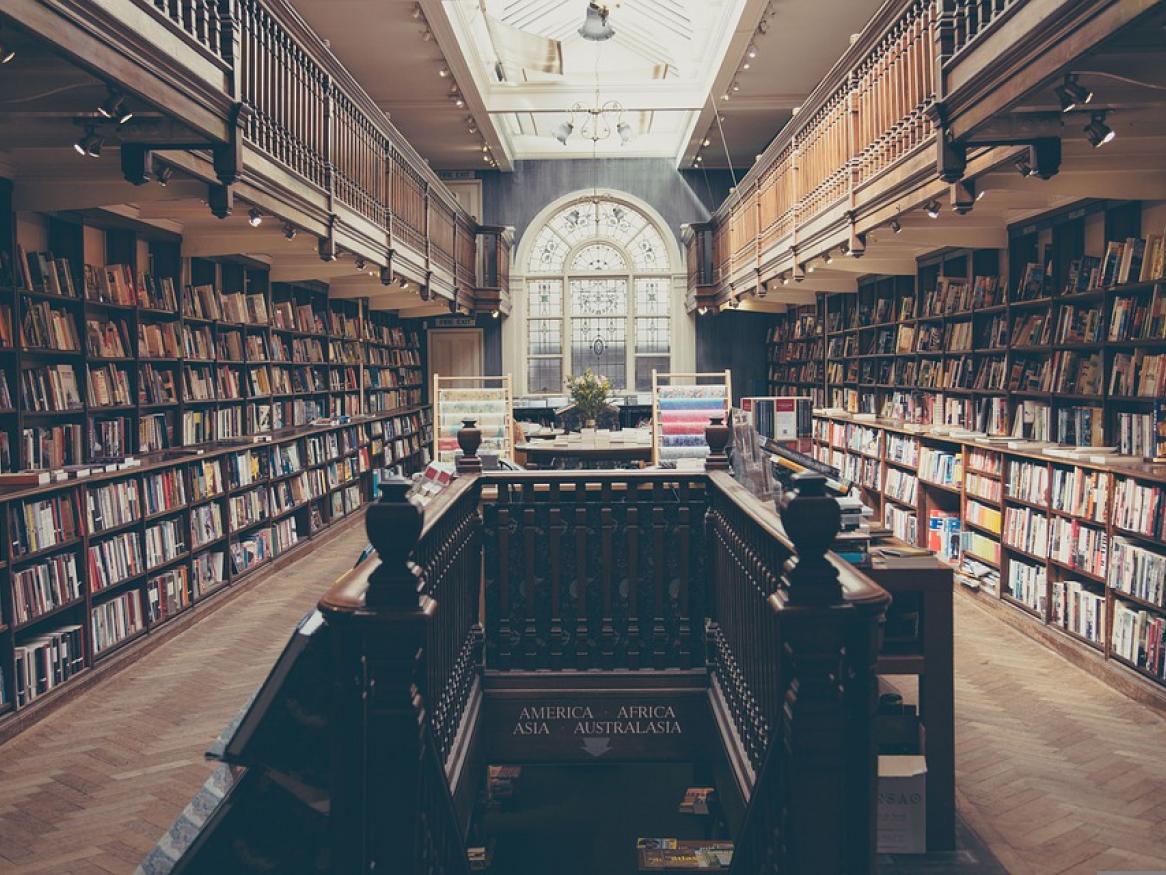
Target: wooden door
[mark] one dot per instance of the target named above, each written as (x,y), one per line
(456,352)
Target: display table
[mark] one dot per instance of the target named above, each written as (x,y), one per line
(583,454)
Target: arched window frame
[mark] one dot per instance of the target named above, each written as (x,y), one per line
(643,349)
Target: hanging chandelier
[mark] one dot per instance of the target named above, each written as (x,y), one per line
(597,123)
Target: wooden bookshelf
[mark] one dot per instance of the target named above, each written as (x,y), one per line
(288,457)
(1027,341)
(1099,516)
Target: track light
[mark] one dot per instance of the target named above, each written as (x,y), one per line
(896,226)
(359,262)
(785,279)
(443,71)
(563,131)
(494,314)
(827,258)
(163,173)
(417,12)
(290,231)
(254,217)
(625,132)
(735,87)
(702,310)
(980,194)
(427,35)
(7,53)
(811,267)
(458,100)
(404,283)
(89,145)
(1023,167)
(705,142)
(1072,94)
(1098,132)
(595,26)
(933,207)
(724,96)
(751,52)
(114,108)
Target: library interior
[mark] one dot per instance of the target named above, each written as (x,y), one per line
(590,437)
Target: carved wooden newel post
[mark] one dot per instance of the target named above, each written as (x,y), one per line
(469,438)
(829,649)
(379,680)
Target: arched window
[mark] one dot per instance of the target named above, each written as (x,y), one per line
(598,291)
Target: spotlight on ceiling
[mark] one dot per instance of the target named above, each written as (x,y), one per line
(625,133)
(563,131)
(254,217)
(735,87)
(114,108)
(494,314)
(443,71)
(980,194)
(1072,94)
(751,52)
(705,141)
(702,310)
(458,100)
(933,207)
(1023,167)
(290,231)
(595,26)
(1098,132)
(7,53)
(359,262)
(404,283)
(89,145)
(163,173)
(785,279)
(827,258)
(896,226)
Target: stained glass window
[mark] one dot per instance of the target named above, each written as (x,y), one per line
(616,315)
(599,257)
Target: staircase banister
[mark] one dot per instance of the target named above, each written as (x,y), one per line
(348,594)
(858,590)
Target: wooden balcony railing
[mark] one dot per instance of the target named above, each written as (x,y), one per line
(973,18)
(198,19)
(261,96)
(612,576)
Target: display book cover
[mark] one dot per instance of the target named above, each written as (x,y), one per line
(265,808)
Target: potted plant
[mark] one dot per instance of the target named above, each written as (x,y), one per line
(589,394)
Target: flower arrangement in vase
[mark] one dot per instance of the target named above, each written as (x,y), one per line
(589,393)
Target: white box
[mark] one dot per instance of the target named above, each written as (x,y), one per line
(902,811)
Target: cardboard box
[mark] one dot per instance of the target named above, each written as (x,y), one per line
(902,800)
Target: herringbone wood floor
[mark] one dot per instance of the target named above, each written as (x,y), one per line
(1057,773)
(90,789)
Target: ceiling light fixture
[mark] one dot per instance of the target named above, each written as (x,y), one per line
(1098,132)
(933,207)
(290,231)
(980,194)
(443,71)
(254,217)
(494,314)
(427,35)
(563,131)
(751,52)
(827,258)
(417,12)
(114,107)
(811,267)
(785,279)
(404,283)
(896,226)
(1023,167)
(359,262)
(735,87)
(705,141)
(595,25)
(1072,94)
(163,173)
(458,100)
(90,144)
(7,53)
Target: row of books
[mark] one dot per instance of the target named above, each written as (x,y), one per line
(46,662)
(1139,637)
(1078,609)
(1083,492)
(1138,571)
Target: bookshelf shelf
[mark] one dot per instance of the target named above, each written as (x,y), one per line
(241,412)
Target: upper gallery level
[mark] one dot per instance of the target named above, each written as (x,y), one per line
(225,113)
(943,123)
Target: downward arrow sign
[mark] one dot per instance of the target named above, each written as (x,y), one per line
(597,747)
